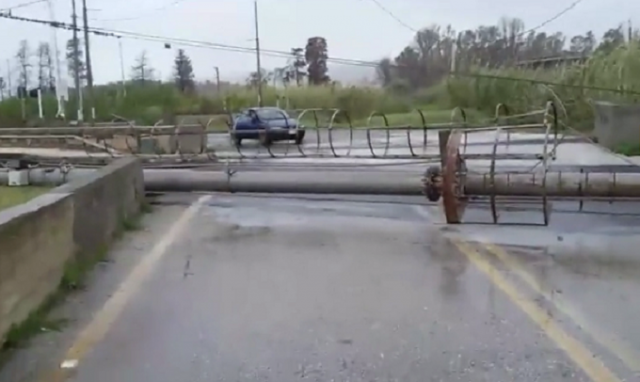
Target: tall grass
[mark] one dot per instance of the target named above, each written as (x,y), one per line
(151,102)
(618,70)
(147,104)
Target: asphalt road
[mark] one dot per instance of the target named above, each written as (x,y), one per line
(264,288)
(222,287)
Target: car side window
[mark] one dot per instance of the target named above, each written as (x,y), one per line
(243,117)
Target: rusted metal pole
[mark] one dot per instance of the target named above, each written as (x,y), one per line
(555,184)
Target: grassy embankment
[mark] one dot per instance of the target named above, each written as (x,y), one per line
(12,196)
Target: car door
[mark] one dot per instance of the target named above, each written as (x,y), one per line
(243,125)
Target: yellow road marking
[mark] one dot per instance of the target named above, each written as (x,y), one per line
(578,352)
(111,310)
(625,352)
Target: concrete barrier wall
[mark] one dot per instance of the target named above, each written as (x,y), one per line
(71,223)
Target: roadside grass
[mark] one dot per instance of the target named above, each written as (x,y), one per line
(12,196)
(628,149)
(414,119)
(431,114)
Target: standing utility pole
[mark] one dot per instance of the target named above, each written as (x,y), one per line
(9,78)
(217,79)
(61,91)
(259,72)
(124,86)
(87,54)
(76,59)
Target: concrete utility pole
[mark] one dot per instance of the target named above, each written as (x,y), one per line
(76,59)
(259,71)
(61,94)
(9,78)
(217,79)
(124,85)
(87,53)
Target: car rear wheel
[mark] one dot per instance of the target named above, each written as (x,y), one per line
(264,139)
(299,137)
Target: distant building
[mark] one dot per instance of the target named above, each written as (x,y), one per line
(551,62)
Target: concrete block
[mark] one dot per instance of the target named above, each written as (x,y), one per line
(191,139)
(616,124)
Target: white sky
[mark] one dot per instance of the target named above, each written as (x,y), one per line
(356,29)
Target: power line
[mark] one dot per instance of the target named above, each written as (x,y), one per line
(22,5)
(393,16)
(283,54)
(147,13)
(554,18)
(541,25)
(107,32)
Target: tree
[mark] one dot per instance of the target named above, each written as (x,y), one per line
(252,80)
(316,55)
(23,56)
(3,87)
(611,39)
(142,72)
(75,63)
(183,72)
(46,79)
(296,65)
(582,44)
(428,58)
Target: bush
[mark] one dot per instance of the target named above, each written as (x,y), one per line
(618,70)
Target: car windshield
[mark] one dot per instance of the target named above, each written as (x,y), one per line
(271,114)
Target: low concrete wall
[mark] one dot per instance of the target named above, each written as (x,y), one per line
(67,142)
(186,139)
(72,222)
(616,125)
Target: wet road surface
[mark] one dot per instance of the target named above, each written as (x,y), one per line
(264,288)
(335,288)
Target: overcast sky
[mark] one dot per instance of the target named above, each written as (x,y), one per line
(357,29)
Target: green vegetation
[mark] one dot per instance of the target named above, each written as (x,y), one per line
(574,87)
(494,64)
(12,196)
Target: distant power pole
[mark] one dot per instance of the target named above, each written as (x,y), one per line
(9,77)
(76,59)
(87,53)
(217,79)
(124,86)
(259,72)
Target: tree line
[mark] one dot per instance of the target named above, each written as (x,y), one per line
(428,58)
(36,69)
(305,65)
(308,64)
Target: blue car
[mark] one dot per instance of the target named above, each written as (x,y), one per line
(267,124)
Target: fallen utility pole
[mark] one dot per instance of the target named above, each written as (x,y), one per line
(359,183)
